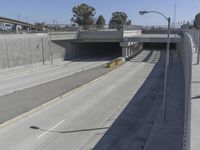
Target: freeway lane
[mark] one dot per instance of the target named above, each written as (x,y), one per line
(20,81)
(14,104)
(80,119)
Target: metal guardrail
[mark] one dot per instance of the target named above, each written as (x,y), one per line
(67,27)
(20,32)
(132,27)
(107,27)
(160,29)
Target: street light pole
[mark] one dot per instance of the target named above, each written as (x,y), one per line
(166,63)
(198,46)
(51,50)
(166,72)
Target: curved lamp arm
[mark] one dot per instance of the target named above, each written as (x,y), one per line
(157,12)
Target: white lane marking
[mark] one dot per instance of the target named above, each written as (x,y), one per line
(49,130)
(110,88)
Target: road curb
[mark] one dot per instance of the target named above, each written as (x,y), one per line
(57,99)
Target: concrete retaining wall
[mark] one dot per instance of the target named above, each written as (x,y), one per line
(193,33)
(185,50)
(68,49)
(23,49)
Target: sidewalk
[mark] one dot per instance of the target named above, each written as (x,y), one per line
(195,105)
(30,68)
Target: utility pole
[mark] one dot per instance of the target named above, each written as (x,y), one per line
(43,55)
(18,17)
(174,18)
(198,46)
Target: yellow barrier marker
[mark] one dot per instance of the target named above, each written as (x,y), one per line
(115,63)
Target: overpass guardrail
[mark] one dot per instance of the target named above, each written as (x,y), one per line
(107,27)
(66,28)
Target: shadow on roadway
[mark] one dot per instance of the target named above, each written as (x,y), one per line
(147,56)
(135,122)
(195,97)
(92,58)
(72,131)
(196,82)
(132,128)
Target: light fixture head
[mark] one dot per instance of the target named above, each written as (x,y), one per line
(143,12)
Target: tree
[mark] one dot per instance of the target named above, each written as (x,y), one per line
(197,21)
(118,20)
(100,22)
(128,22)
(83,15)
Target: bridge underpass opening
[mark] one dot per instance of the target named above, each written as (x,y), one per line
(158,46)
(100,51)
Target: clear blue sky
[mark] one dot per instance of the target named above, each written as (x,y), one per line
(61,10)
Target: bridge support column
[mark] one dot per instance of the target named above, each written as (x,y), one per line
(129,49)
(125,49)
(125,52)
(132,48)
(128,54)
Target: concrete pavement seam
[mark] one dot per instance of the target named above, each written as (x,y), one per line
(59,98)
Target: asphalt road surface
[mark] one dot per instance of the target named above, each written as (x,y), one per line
(21,79)
(17,103)
(81,119)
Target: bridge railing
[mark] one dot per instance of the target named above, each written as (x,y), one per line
(160,29)
(106,27)
(20,32)
(68,27)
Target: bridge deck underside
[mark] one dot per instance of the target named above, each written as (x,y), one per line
(155,38)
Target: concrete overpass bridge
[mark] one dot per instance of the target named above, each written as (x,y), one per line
(113,36)
(26,25)
(128,41)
